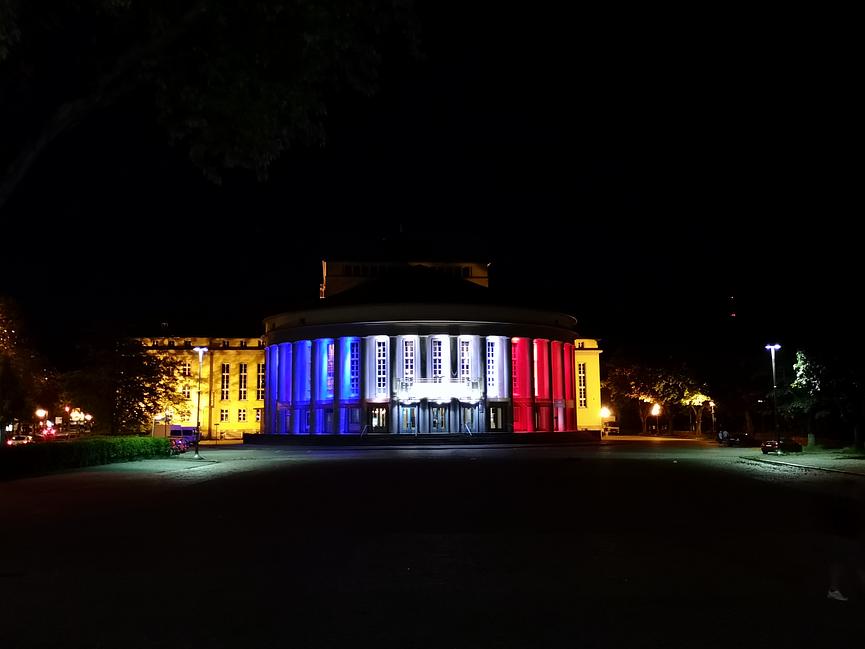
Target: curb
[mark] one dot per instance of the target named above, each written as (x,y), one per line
(801,466)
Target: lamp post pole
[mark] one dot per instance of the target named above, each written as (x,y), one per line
(772,349)
(201,351)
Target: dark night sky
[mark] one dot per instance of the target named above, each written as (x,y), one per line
(691,157)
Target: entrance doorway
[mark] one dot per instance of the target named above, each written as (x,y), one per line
(377,419)
(408,420)
(438,419)
(469,420)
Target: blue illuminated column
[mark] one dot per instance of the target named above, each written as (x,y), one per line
(301,386)
(347,384)
(323,381)
(284,387)
(271,361)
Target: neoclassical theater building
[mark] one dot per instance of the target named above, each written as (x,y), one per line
(423,348)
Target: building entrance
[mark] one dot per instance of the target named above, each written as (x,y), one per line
(408,420)
(438,419)
(377,419)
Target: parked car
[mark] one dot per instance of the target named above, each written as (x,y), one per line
(16,440)
(784,445)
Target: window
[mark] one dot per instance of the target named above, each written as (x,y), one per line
(581,373)
(241,414)
(354,369)
(330,368)
(380,366)
(581,345)
(491,364)
(223,414)
(465,360)
(225,343)
(243,343)
(224,382)
(436,359)
(258,414)
(185,391)
(408,359)
(259,383)
(186,369)
(242,380)
(515,377)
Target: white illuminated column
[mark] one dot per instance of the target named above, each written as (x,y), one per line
(201,351)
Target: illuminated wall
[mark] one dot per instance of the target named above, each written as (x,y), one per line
(223,413)
(587,375)
(433,383)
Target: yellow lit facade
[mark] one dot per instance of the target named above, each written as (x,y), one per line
(232,383)
(587,372)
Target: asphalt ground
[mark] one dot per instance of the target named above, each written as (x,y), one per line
(625,543)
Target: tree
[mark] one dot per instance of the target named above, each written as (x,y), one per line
(123,387)
(22,379)
(633,385)
(235,83)
(697,402)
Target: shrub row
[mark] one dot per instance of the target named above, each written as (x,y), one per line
(31,459)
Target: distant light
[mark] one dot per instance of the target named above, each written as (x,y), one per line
(605,412)
(656,410)
(775,347)
(41,412)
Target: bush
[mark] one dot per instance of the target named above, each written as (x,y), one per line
(33,459)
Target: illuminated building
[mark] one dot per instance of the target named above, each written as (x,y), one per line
(232,383)
(420,348)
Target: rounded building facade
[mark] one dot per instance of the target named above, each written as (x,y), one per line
(428,368)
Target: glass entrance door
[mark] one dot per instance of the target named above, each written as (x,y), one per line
(438,419)
(468,422)
(408,420)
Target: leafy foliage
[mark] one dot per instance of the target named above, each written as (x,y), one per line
(123,386)
(236,83)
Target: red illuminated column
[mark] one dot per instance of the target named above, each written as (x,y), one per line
(558,385)
(543,394)
(521,382)
(570,399)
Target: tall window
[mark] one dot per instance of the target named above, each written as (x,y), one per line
(241,383)
(354,369)
(223,414)
(185,391)
(259,383)
(224,384)
(380,366)
(515,377)
(581,374)
(437,358)
(408,359)
(465,361)
(330,368)
(258,414)
(186,369)
(241,414)
(491,364)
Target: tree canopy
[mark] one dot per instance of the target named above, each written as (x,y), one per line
(235,83)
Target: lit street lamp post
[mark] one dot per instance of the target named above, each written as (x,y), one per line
(772,349)
(656,410)
(201,351)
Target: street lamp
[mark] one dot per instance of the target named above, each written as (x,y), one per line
(712,406)
(656,410)
(201,351)
(772,349)
(41,413)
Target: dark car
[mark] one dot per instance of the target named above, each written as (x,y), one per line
(784,445)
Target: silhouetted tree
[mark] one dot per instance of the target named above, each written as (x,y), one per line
(235,82)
